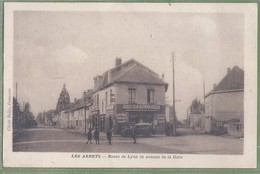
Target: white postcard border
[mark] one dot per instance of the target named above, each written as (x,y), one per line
(30,159)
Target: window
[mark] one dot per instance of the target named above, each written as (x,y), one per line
(131,95)
(150,96)
(112,96)
(219,124)
(97,101)
(106,100)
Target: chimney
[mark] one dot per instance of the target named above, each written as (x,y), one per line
(228,70)
(99,80)
(95,83)
(118,61)
(162,76)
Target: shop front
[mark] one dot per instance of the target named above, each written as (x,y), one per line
(95,119)
(110,118)
(127,114)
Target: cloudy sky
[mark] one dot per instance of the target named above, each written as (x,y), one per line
(53,48)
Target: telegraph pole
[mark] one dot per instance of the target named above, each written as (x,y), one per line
(16,91)
(204,93)
(173,96)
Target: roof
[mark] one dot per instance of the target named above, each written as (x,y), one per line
(78,105)
(226,117)
(233,81)
(67,108)
(131,71)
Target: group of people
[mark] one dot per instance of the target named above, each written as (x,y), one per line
(96,136)
(109,136)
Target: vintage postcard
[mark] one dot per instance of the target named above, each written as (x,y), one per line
(130,85)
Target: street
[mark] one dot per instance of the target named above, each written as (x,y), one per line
(51,139)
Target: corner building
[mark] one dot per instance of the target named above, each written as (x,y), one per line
(129,93)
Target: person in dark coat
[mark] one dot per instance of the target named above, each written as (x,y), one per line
(134,134)
(109,136)
(96,136)
(89,136)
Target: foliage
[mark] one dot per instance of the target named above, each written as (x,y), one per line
(20,118)
(40,118)
(197,107)
(16,113)
(28,115)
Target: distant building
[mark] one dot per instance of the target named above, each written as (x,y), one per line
(196,121)
(224,105)
(196,115)
(80,113)
(64,117)
(129,93)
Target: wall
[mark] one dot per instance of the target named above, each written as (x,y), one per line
(102,99)
(230,105)
(196,119)
(141,93)
(223,107)
(79,119)
(64,119)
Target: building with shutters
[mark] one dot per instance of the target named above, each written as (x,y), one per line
(129,93)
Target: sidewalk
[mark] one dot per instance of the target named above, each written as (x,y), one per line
(103,136)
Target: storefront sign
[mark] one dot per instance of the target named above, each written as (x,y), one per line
(121,118)
(136,107)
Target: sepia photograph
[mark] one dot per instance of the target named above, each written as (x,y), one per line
(130,82)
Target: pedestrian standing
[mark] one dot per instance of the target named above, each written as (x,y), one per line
(109,136)
(134,134)
(96,136)
(89,136)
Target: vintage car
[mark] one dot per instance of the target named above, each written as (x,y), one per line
(141,129)
(219,131)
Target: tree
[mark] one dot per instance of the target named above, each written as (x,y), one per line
(28,115)
(17,114)
(49,116)
(39,118)
(197,107)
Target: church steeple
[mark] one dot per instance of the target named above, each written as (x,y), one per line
(64,87)
(64,99)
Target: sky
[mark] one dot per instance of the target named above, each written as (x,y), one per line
(53,48)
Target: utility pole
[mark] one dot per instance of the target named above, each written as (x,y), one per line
(188,119)
(173,95)
(16,91)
